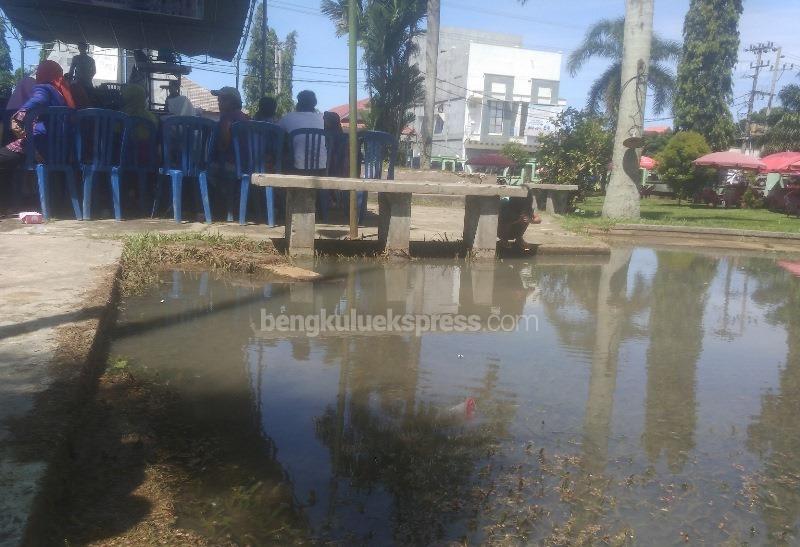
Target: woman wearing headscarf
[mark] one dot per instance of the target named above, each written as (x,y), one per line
(51,89)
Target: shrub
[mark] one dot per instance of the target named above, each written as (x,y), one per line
(516,153)
(751,199)
(675,163)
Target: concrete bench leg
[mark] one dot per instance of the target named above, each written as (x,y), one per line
(394,228)
(480,225)
(550,206)
(300,226)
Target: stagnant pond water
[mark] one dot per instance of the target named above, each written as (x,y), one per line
(652,397)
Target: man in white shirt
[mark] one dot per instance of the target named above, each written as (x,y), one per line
(305,116)
(177,104)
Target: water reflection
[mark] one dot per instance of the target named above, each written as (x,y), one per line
(641,376)
(774,434)
(679,296)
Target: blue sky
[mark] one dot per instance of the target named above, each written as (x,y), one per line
(561,28)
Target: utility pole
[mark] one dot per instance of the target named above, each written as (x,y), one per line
(622,192)
(431,66)
(264,35)
(760,49)
(777,72)
(355,168)
(278,69)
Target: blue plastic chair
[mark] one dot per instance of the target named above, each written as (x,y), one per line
(313,141)
(258,148)
(375,146)
(100,133)
(140,155)
(56,148)
(187,142)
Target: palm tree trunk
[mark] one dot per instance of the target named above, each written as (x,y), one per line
(622,195)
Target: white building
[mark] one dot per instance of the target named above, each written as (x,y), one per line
(490,91)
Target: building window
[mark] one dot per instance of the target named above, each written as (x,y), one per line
(545,95)
(499,90)
(496,115)
(438,124)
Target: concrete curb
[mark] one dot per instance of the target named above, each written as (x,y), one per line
(721,232)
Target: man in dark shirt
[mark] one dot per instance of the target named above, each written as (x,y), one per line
(82,69)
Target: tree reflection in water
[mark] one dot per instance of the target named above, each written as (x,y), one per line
(774,433)
(679,297)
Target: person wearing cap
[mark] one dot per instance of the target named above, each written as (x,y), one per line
(305,116)
(177,104)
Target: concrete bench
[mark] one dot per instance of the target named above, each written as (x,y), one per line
(482,205)
(553,198)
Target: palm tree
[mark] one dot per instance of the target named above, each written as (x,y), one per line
(387,32)
(605,39)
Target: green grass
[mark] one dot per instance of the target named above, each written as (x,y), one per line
(143,255)
(667,212)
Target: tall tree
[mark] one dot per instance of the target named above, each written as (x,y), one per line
(705,73)
(387,33)
(277,79)
(604,39)
(622,194)
(7,79)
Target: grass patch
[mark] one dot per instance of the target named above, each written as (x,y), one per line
(667,212)
(144,255)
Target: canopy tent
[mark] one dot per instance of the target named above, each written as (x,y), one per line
(648,163)
(189,27)
(730,160)
(781,162)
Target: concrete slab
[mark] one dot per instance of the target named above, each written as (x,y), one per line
(49,283)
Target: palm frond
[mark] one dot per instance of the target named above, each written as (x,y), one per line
(603,39)
(602,95)
(662,82)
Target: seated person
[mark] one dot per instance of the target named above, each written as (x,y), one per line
(305,116)
(51,89)
(267,107)
(177,104)
(340,155)
(230,112)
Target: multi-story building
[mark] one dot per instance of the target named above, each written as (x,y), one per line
(490,91)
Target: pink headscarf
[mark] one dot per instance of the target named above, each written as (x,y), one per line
(50,72)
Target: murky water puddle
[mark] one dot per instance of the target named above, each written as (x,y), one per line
(650,397)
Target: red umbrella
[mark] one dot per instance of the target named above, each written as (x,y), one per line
(491,160)
(781,162)
(647,163)
(730,160)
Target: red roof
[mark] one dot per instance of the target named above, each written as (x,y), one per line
(657,129)
(344,110)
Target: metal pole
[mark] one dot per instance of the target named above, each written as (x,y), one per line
(264,34)
(431,66)
(354,167)
(776,70)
